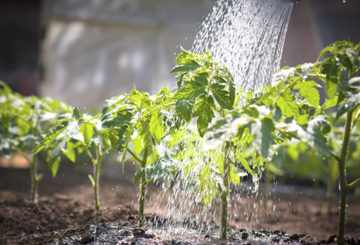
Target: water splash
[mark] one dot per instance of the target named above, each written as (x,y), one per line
(247,37)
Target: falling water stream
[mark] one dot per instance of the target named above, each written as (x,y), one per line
(247,36)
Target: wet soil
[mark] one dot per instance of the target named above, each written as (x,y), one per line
(65,215)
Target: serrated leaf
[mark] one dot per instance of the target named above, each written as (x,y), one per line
(329,103)
(205,114)
(156,127)
(87,130)
(76,113)
(246,165)
(348,105)
(309,92)
(146,135)
(189,90)
(277,115)
(267,127)
(70,152)
(184,109)
(53,163)
(190,65)
(138,145)
(222,96)
(288,106)
(293,152)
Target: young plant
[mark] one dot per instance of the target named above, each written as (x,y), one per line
(148,124)
(24,121)
(227,131)
(79,133)
(340,65)
(337,67)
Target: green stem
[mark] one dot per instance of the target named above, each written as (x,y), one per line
(96,174)
(96,185)
(225,193)
(134,156)
(342,177)
(353,184)
(35,179)
(156,109)
(142,187)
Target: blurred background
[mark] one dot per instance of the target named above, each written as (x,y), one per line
(85,51)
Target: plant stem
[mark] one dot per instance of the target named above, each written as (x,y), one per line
(96,185)
(142,187)
(342,177)
(354,183)
(225,193)
(35,178)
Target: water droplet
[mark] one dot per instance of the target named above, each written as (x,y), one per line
(346,105)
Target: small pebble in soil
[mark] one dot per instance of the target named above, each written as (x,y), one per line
(87,240)
(244,235)
(331,239)
(138,232)
(296,236)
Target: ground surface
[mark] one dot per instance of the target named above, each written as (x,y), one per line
(65,215)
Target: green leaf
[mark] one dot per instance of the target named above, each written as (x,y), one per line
(332,73)
(146,135)
(190,65)
(189,90)
(246,165)
(267,127)
(331,89)
(53,163)
(222,96)
(203,111)
(309,92)
(76,113)
(70,152)
(293,152)
(329,103)
(288,106)
(87,130)
(355,83)
(277,115)
(317,138)
(184,109)
(275,170)
(348,105)
(23,125)
(156,127)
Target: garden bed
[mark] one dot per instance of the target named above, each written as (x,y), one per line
(65,215)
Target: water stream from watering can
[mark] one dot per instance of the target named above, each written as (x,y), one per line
(247,36)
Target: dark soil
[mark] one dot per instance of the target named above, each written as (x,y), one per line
(65,215)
